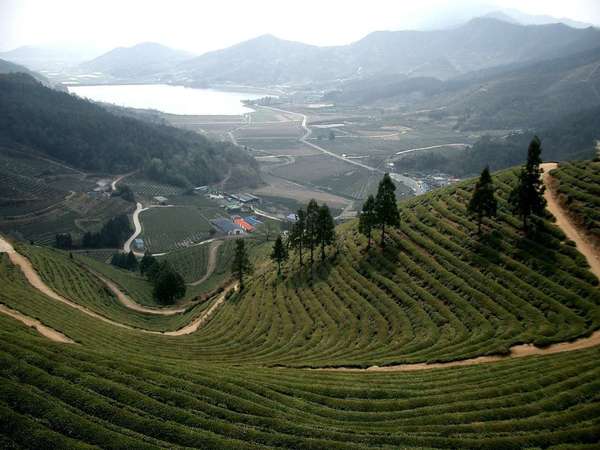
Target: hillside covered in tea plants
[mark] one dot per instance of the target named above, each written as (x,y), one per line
(276,365)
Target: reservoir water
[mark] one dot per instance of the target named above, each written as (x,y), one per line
(169,99)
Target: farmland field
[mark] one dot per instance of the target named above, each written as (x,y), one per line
(437,293)
(166,229)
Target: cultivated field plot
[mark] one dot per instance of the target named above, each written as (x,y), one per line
(308,169)
(276,131)
(437,293)
(77,214)
(170,228)
(102,254)
(261,114)
(295,193)
(290,147)
(149,188)
(379,141)
(21,195)
(191,262)
(29,185)
(332,175)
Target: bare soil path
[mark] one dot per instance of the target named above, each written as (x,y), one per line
(128,302)
(565,224)
(519,351)
(213,253)
(113,185)
(138,228)
(44,330)
(34,279)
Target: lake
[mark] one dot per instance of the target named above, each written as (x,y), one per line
(169,99)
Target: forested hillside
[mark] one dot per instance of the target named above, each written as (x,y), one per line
(512,96)
(9,67)
(569,138)
(89,137)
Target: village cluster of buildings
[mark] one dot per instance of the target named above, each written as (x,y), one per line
(236,225)
(236,205)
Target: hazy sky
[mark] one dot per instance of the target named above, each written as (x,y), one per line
(199,26)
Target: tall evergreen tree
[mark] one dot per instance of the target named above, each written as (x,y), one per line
(147,262)
(312,227)
(279,253)
(241,263)
(132,262)
(385,206)
(527,197)
(298,234)
(483,202)
(169,285)
(368,219)
(325,229)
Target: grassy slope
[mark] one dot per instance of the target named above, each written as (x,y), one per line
(436,294)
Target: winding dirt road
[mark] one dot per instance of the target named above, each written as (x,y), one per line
(128,302)
(517,351)
(44,330)
(213,252)
(565,224)
(34,279)
(137,231)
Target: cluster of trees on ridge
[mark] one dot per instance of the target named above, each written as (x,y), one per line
(573,137)
(112,235)
(89,137)
(126,261)
(315,226)
(168,284)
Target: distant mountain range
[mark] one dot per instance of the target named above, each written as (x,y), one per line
(9,67)
(444,54)
(500,38)
(140,60)
(516,16)
(48,57)
(517,95)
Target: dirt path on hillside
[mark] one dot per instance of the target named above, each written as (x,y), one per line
(213,253)
(119,178)
(45,331)
(193,326)
(128,302)
(34,279)
(565,224)
(519,351)
(516,351)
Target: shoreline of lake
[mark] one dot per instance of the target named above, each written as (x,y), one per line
(169,99)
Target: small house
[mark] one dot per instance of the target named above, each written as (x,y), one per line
(228,227)
(160,199)
(245,225)
(246,199)
(252,220)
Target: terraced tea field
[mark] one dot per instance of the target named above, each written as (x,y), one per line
(242,380)
(166,229)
